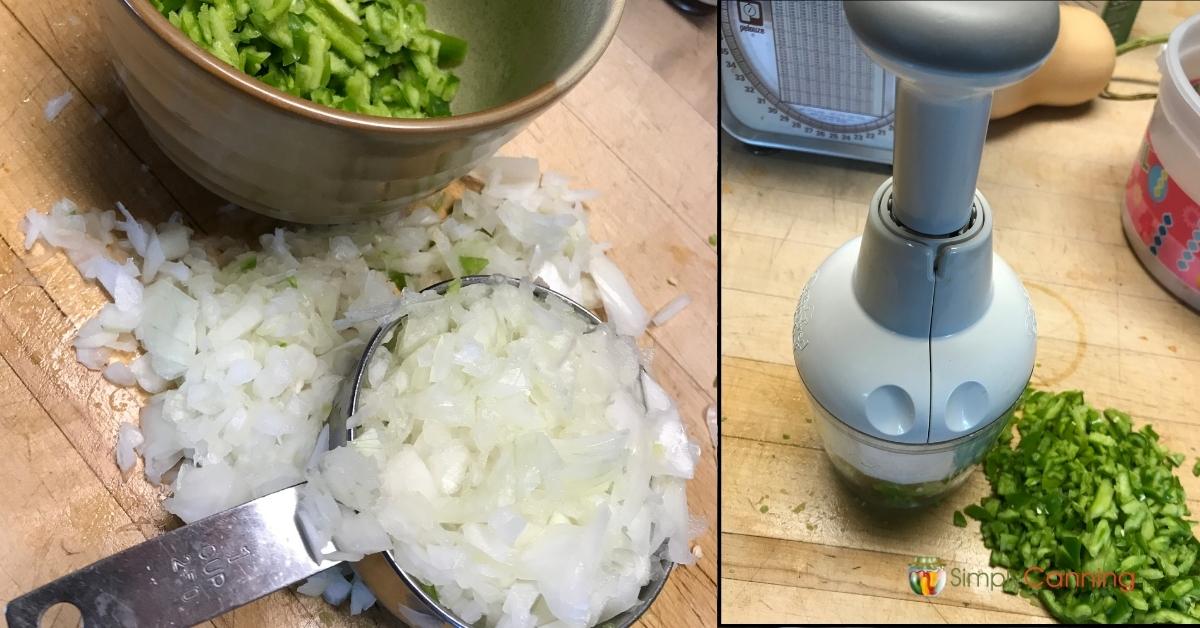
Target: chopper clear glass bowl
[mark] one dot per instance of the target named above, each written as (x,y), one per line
(901,475)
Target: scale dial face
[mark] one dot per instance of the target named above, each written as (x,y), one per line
(794,69)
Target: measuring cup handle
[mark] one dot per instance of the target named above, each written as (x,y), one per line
(185,576)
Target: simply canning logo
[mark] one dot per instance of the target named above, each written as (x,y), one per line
(927,577)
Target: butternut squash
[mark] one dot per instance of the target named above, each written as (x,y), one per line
(1077,70)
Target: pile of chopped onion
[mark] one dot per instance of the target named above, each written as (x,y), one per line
(513,458)
(243,349)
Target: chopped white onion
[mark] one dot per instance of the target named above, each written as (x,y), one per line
(134,231)
(510,177)
(505,448)
(55,105)
(129,438)
(668,311)
(710,417)
(246,349)
(154,259)
(315,585)
(147,379)
(621,305)
(337,591)
(361,597)
(94,359)
(119,374)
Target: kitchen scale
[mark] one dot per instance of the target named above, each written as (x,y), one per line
(793,77)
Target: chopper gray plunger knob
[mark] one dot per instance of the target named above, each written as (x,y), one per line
(948,58)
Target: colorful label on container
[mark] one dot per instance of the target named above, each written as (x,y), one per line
(1164,217)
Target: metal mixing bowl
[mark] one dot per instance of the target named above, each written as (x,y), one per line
(395,589)
(293,159)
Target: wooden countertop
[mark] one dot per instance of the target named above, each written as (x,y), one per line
(1055,178)
(640,129)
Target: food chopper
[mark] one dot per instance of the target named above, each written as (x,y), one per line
(915,340)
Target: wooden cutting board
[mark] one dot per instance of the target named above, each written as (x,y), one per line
(640,129)
(795,547)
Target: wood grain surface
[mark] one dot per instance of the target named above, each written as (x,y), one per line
(640,129)
(796,548)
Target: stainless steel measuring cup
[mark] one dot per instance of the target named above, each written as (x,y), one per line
(221,562)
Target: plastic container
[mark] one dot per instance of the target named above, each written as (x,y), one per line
(895,475)
(1161,209)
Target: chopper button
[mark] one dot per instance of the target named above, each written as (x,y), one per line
(890,410)
(967,407)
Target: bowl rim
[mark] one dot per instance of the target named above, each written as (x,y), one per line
(532,102)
